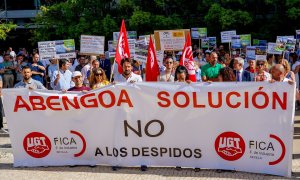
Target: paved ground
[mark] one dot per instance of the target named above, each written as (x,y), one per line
(102,172)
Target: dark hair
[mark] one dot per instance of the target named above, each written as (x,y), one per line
(6,55)
(269,56)
(126,60)
(33,54)
(181,69)
(227,74)
(207,53)
(62,62)
(26,67)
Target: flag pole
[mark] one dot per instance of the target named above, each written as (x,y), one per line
(112,70)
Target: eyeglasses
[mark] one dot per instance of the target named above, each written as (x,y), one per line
(100,74)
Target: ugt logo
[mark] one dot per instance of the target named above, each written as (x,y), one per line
(230,146)
(37,144)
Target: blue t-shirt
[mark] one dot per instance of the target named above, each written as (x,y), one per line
(37,77)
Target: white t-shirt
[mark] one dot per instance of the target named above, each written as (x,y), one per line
(132,78)
(84,71)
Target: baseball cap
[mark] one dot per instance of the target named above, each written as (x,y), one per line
(76,73)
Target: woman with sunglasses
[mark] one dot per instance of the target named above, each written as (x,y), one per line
(261,74)
(167,75)
(98,78)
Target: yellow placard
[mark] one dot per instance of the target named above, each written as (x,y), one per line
(178,34)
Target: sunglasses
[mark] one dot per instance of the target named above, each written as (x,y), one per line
(99,74)
(261,64)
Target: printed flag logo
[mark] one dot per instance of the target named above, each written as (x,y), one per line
(230,146)
(37,145)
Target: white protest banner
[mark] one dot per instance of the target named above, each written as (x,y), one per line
(160,57)
(235,126)
(272,48)
(65,49)
(236,42)
(60,49)
(141,50)
(170,40)
(226,36)
(250,52)
(112,45)
(47,50)
(198,33)
(147,37)
(130,35)
(91,45)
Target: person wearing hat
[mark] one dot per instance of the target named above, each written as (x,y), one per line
(78,81)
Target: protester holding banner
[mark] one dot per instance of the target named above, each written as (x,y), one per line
(98,79)
(61,79)
(210,71)
(261,74)
(287,70)
(240,73)
(278,74)
(28,81)
(78,81)
(167,75)
(127,75)
(181,74)
(226,74)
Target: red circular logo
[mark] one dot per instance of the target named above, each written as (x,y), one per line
(37,145)
(230,146)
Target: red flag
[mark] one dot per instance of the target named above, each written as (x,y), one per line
(122,50)
(187,58)
(152,69)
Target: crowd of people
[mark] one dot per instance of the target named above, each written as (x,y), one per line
(84,73)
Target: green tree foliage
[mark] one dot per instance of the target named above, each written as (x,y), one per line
(5,28)
(71,18)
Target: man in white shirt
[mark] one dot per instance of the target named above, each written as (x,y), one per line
(62,80)
(127,75)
